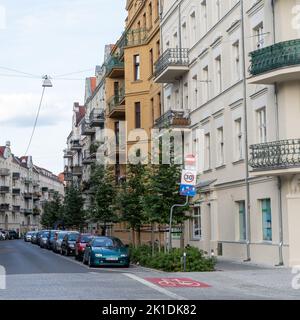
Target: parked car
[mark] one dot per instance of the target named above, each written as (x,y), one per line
(44,239)
(27,236)
(2,235)
(12,235)
(59,236)
(39,236)
(68,243)
(51,238)
(106,251)
(81,242)
(34,237)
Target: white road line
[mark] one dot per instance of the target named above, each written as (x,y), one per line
(155,287)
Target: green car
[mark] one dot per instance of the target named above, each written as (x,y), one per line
(106,251)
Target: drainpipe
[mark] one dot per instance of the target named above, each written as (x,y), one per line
(279,180)
(248,230)
(161,52)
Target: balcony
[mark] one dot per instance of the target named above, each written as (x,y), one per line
(45,189)
(275,158)
(4,207)
(116,109)
(16,175)
(115,67)
(277,63)
(4,172)
(77,171)
(36,196)
(97,118)
(16,192)
(27,212)
(68,154)
(27,181)
(136,37)
(171,65)
(27,195)
(68,176)
(174,119)
(16,208)
(87,130)
(88,158)
(4,190)
(75,145)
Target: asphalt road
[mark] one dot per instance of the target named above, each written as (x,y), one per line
(34,273)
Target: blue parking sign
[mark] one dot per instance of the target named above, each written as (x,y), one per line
(187,190)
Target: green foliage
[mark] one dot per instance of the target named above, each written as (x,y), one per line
(73,213)
(172,262)
(104,193)
(53,212)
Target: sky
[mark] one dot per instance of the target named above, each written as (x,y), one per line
(53,37)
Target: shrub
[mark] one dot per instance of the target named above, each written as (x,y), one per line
(172,261)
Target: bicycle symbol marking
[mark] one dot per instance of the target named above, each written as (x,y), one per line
(178,282)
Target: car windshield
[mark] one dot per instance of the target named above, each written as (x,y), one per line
(61,236)
(85,239)
(73,237)
(107,243)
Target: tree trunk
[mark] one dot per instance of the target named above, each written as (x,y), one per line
(133,237)
(152,238)
(139,236)
(182,237)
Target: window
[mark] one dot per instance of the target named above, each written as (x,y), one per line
(204,16)
(186,95)
(238,139)
(218,64)
(137,67)
(207,154)
(193,29)
(158,48)
(150,15)
(205,84)
(261,125)
(242,220)
(259,36)
(138,115)
(220,134)
(195,93)
(151,61)
(218,9)
(196,224)
(236,60)
(159,102)
(184,36)
(144,21)
(266,219)
(176,97)
(152,109)
(117,132)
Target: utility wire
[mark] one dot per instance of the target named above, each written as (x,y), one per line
(18,71)
(36,120)
(71,73)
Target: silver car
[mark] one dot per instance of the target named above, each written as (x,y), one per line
(28,235)
(59,236)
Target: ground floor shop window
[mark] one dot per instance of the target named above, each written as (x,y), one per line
(196,224)
(266,219)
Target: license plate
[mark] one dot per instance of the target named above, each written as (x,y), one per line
(112,259)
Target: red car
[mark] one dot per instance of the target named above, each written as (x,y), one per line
(81,242)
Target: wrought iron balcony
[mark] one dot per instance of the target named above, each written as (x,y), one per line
(4,189)
(136,37)
(68,154)
(115,107)
(27,212)
(114,67)
(16,175)
(68,176)
(97,118)
(16,191)
(16,208)
(36,195)
(275,155)
(45,189)
(4,207)
(174,119)
(27,180)
(27,195)
(75,145)
(4,172)
(88,158)
(87,130)
(279,57)
(171,65)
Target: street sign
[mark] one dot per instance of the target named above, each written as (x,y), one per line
(187,190)
(177,282)
(190,160)
(189,177)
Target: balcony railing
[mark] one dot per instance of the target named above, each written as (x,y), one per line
(115,104)
(4,189)
(16,175)
(27,212)
(45,189)
(279,55)
(174,118)
(16,191)
(68,154)
(88,158)
(114,67)
(75,145)
(136,37)
(36,195)
(27,195)
(97,117)
(282,154)
(77,170)
(4,207)
(87,130)
(16,208)
(171,58)
(68,176)
(4,172)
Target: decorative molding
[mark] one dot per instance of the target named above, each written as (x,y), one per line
(233,26)
(258,5)
(259,93)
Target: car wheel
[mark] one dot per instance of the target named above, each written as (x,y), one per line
(90,262)
(67,252)
(61,251)
(84,260)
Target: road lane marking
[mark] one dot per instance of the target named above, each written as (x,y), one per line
(155,287)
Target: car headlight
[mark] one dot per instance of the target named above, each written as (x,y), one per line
(123,255)
(98,255)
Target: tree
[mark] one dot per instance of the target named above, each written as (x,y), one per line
(52,212)
(104,192)
(130,198)
(73,213)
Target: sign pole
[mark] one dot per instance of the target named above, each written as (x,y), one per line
(171,218)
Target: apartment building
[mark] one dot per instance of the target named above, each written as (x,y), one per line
(24,188)
(231,69)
